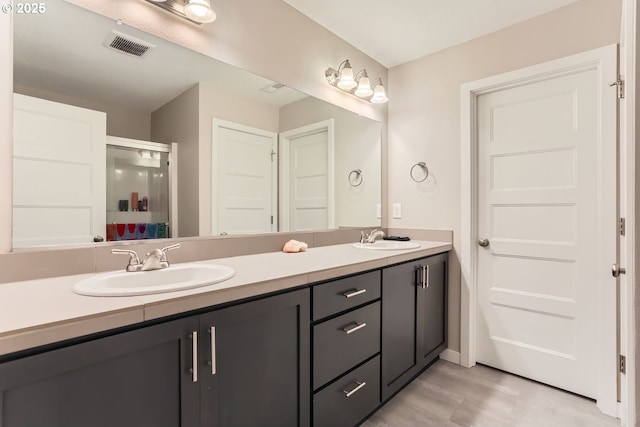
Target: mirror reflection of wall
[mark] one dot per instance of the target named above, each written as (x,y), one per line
(172,95)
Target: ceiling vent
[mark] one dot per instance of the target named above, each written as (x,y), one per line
(127,44)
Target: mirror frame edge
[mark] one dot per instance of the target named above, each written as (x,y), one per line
(6,134)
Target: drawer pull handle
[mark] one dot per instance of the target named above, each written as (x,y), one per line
(359,385)
(354,292)
(194,356)
(355,328)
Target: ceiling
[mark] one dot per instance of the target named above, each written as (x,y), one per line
(53,53)
(397,31)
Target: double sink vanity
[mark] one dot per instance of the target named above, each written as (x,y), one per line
(317,338)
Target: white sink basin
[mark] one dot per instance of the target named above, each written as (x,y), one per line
(175,278)
(387,245)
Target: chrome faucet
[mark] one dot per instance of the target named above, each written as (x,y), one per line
(155,260)
(371,236)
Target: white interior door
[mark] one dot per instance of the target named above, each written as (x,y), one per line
(244,179)
(306,179)
(547,209)
(59,176)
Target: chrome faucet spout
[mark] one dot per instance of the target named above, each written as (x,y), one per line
(157,258)
(155,261)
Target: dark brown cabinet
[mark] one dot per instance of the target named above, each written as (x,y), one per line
(255,372)
(132,379)
(346,350)
(413,319)
(255,363)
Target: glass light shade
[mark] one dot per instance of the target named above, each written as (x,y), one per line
(364,87)
(199,11)
(346,80)
(379,94)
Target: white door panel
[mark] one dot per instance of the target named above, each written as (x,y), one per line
(244,199)
(306,178)
(308,174)
(538,178)
(59,185)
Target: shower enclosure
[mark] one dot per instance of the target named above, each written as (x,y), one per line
(140,187)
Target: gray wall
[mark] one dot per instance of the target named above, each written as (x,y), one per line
(424,112)
(177,121)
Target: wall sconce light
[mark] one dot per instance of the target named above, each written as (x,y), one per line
(359,86)
(198,11)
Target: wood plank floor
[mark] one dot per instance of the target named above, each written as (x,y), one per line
(448,395)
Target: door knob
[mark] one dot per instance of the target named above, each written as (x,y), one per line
(483,241)
(616,271)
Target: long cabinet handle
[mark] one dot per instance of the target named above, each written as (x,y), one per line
(194,356)
(359,385)
(354,292)
(355,328)
(426,275)
(212,330)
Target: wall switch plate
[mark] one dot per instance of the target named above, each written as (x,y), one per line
(397,210)
(378,211)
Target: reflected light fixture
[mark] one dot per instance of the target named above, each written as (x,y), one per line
(198,11)
(359,86)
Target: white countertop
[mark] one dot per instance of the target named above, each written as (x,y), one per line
(44,311)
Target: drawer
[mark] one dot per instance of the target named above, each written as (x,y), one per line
(343,294)
(351,398)
(341,343)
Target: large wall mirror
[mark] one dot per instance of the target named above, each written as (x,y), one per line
(245,154)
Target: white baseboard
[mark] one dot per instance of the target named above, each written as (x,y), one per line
(451,356)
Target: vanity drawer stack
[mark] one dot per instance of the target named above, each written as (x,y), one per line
(346,349)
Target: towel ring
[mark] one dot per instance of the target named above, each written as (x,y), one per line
(355,178)
(422,166)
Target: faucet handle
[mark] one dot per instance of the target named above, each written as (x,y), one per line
(168,248)
(134,260)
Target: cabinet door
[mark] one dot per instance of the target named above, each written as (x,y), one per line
(398,325)
(431,331)
(257,363)
(413,319)
(133,379)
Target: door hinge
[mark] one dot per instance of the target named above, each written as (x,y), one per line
(271,219)
(620,87)
(622,364)
(622,226)
(273,153)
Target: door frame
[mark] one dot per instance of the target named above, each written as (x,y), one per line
(216,125)
(283,189)
(628,293)
(604,60)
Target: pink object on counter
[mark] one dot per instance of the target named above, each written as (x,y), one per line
(293,246)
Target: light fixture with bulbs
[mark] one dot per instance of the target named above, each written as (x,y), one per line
(198,11)
(358,85)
